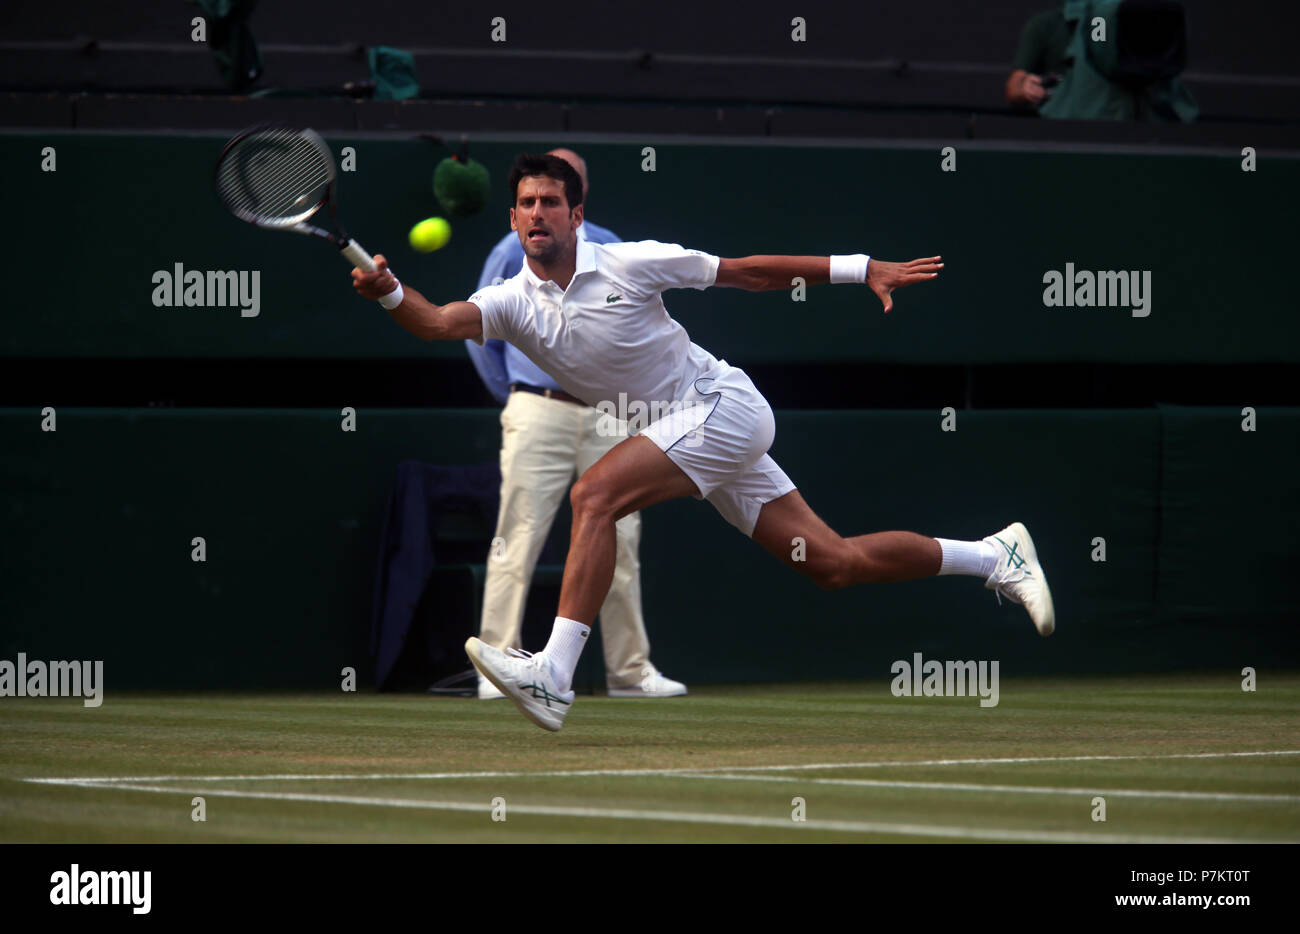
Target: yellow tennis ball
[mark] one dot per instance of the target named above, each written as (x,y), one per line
(431,234)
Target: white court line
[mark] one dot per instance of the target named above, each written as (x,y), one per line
(1003,761)
(357,776)
(687,817)
(581,773)
(1008,789)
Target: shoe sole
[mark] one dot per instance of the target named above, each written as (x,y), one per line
(627,692)
(472,650)
(1049,626)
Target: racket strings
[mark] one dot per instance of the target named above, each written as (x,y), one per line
(288,182)
(275,176)
(275,184)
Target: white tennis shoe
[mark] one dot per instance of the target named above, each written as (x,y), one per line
(653,683)
(1020,578)
(524,678)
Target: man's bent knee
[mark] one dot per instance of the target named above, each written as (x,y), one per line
(592,499)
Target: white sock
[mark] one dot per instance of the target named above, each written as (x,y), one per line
(568,638)
(975,559)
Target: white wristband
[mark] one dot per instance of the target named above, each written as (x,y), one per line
(392,299)
(849,268)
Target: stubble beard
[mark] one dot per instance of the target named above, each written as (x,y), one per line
(547,254)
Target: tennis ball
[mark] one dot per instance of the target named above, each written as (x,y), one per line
(430,234)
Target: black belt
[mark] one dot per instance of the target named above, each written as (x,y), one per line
(548,393)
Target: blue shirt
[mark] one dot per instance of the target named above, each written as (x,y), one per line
(499,364)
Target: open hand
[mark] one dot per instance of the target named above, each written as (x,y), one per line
(884,277)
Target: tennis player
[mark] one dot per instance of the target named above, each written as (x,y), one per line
(592,316)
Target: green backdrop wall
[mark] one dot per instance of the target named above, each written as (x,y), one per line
(1197,517)
(121,207)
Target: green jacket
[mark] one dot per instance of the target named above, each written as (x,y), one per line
(1087,93)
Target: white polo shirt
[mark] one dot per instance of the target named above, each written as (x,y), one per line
(608,332)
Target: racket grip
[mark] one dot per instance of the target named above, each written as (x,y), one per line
(358,257)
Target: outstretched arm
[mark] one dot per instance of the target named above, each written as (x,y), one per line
(427,321)
(769,273)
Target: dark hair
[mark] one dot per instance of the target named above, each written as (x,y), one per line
(529,164)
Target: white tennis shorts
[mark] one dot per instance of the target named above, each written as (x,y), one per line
(719,438)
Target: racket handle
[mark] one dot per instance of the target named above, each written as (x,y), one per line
(358,257)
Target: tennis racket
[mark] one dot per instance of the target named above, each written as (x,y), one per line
(278,178)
